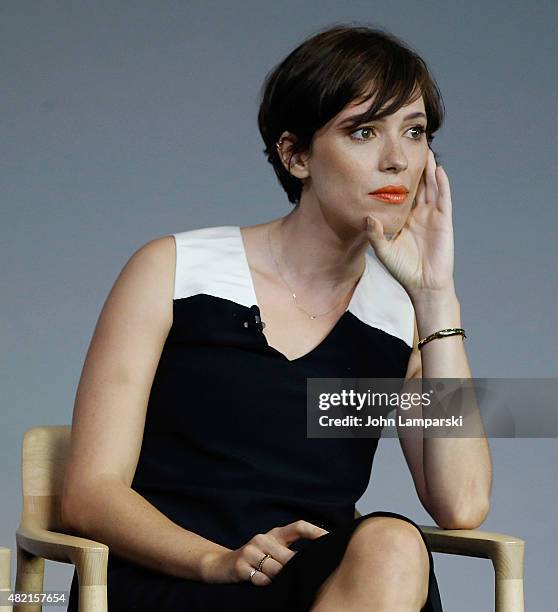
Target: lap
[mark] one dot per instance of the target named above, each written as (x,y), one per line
(133,587)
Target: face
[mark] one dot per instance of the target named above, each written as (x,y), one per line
(345,166)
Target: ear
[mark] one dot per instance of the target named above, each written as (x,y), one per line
(296,163)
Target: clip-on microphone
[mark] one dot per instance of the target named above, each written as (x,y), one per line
(255,320)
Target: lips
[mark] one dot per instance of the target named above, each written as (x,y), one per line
(391,189)
(394,194)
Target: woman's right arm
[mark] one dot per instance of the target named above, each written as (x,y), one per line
(109,418)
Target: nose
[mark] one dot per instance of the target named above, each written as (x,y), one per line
(392,157)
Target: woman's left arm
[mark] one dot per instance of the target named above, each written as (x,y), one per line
(453,476)
(456,472)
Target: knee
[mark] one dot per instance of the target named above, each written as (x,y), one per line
(396,542)
(390,552)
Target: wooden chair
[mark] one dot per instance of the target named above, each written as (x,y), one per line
(5,575)
(40,535)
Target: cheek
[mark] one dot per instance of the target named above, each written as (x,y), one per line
(338,172)
(352,171)
(338,161)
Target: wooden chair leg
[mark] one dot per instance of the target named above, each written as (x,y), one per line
(5,576)
(509,595)
(29,577)
(93,599)
(508,572)
(92,577)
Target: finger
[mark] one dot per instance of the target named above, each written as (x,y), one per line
(444,197)
(270,567)
(375,232)
(310,530)
(431,182)
(270,545)
(294,531)
(420,197)
(257,578)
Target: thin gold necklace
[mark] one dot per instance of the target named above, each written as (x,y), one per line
(311,316)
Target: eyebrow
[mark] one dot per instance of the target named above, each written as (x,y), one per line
(416,115)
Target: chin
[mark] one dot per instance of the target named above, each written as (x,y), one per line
(392,224)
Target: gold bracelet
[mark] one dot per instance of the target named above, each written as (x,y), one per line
(442,333)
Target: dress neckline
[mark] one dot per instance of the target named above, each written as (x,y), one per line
(254,300)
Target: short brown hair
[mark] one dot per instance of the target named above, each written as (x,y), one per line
(327,71)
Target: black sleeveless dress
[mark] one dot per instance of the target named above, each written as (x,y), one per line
(225,451)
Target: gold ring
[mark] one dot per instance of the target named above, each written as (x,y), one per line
(262,562)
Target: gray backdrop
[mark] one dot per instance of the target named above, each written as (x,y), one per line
(124,121)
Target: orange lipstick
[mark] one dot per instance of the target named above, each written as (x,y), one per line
(393,194)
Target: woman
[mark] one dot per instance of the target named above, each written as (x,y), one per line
(189,456)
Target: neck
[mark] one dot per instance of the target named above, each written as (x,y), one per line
(311,253)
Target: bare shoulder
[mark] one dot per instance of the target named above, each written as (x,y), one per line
(163,246)
(149,275)
(159,252)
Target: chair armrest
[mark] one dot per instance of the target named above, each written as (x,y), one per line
(505,551)
(56,546)
(90,558)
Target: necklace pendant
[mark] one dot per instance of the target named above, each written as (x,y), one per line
(312,316)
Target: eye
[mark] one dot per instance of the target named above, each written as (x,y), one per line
(420,130)
(362,129)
